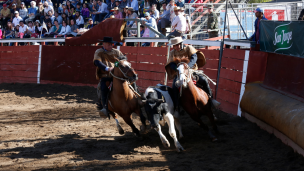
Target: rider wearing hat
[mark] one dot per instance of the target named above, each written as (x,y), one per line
(104,59)
(196,60)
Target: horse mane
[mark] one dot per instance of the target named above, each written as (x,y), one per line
(179,60)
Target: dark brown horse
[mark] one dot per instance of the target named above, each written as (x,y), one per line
(123,99)
(194,100)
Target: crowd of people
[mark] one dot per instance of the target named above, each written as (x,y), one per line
(58,18)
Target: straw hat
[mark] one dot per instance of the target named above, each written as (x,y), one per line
(112,16)
(176,8)
(130,9)
(175,40)
(115,9)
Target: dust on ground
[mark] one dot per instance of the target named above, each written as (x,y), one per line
(57,127)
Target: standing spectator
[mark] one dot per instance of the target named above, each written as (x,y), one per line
(79,20)
(117,14)
(32,12)
(131,15)
(5,15)
(40,12)
(123,4)
(85,12)
(58,17)
(17,19)
(164,20)
(134,5)
(256,35)
(74,29)
(152,23)
(94,9)
(155,12)
(170,7)
(9,30)
(48,8)
(65,29)
(102,11)
(23,11)
(91,24)
(179,24)
(65,18)
(180,3)
(212,23)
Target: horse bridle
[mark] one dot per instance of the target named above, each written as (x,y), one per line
(127,78)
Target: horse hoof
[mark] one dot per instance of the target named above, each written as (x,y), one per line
(121,132)
(166,145)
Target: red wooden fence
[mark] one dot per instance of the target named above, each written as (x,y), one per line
(19,64)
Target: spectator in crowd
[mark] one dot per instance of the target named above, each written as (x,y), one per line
(23,30)
(131,15)
(38,27)
(51,16)
(125,12)
(65,18)
(132,33)
(134,5)
(48,31)
(170,7)
(123,4)
(78,8)
(72,13)
(9,30)
(48,8)
(50,3)
(179,24)
(149,21)
(55,29)
(31,30)
(111,5)
(188,21)
(94,9)
(65,30)
(79,20)
(5,15)
(17,19)
(13,10)
(117,13)
(164,20)
(117,3)
(69,6)
(47,19)
(16,30)
(144,7)
(155,12)
(23,11)
(64,9)
(91,24)
(74,28)
(259,16)
(31,12)
(60,9)
(85,12)
(102,11)
(74,3)
(40,12)
(212,23)
(180,3)
(58,17)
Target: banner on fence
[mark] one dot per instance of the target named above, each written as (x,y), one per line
(284,37)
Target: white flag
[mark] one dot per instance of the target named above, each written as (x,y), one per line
(44,26)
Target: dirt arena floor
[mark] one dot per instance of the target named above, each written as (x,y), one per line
(56,127)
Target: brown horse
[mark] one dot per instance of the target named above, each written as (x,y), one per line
(122,99)
(194,100)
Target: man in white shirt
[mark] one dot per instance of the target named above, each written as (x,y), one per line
(48,8)
(102,11)
(23,28)
(179,24)
(17,19)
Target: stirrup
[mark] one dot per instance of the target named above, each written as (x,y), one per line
(104,113)
(215,103)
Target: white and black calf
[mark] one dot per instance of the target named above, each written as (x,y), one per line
(159,108)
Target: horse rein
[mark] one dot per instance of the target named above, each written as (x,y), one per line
(126,79)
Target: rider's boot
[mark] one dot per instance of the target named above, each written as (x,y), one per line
(99,105)
(104,100)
